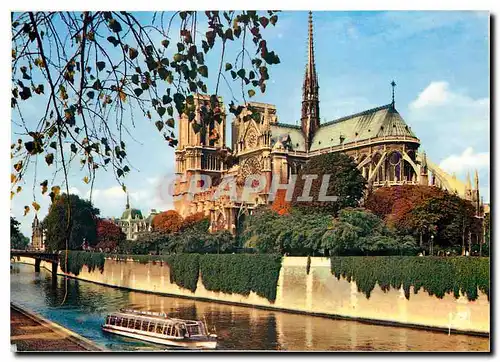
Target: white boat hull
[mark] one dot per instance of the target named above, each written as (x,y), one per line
(171,342)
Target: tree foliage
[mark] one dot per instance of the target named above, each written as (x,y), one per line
(280,205)
(94,76)
(353,232)
(168,222)
(71,216)
(346,183)
(17,240)
(109,235)
(426,211)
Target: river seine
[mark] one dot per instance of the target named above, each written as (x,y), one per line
(239,328)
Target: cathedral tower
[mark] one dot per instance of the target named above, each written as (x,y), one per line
(310,93)
(37,234)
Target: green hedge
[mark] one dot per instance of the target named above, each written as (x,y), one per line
(77,259)
(241,273)
(184,270)
(436,275)
(228,273)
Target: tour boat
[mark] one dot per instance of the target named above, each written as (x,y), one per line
(159,328)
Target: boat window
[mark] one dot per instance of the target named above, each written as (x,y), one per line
(138,324)
(113,320)
(151,326)
(131,323)
(159,328)
(124,322)
(193,329)
(144,326)
(118,321)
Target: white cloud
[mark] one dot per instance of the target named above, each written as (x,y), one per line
(438,93)
(468,160)
(447,120)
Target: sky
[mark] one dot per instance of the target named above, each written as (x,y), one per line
(439,61)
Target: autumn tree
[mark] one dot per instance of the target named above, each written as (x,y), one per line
(280,205)
(109,235)
(345,182)
(93,76)
(82,216)
(426,211)
(168,222)
(196,220)
(88,72)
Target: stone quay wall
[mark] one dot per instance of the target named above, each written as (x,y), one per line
(316,293)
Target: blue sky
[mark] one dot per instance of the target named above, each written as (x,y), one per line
(439,60)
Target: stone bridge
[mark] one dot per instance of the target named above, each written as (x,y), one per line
(38,256)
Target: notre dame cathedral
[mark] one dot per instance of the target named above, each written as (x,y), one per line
(384,147)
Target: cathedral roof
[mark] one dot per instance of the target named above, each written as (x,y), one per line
(281,131)
(131,214)
(376,122)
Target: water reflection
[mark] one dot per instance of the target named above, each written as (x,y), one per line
(239,328)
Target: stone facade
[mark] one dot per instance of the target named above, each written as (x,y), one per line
(37,239)
(133,223)
(379,140)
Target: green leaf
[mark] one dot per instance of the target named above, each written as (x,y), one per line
(115,25)
(90,94)
(113,40)
(241,73)
(101,65)
(264,21)
(251,92)
(228,66)
(171,122)
(49,158)
(133,53)
(138,91)
(73,148)
(135,79)
(229,34)
(203,70)
(163,73)
(161,111)
(165,43)
(166,99)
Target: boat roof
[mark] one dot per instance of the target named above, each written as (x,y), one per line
(158,317)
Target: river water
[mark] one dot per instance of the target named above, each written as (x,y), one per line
(239,328)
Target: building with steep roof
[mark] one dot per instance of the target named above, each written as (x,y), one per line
(133,223)
(382,144)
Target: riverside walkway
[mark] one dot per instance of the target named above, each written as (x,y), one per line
(32,333)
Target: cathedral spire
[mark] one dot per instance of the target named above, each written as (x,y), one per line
(393,85)
(127,206)
(310,92)
(468,185)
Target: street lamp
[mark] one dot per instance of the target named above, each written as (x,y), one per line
(432,245)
